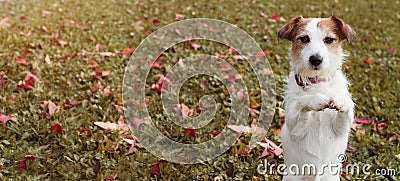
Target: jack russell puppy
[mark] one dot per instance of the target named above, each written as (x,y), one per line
(318,106)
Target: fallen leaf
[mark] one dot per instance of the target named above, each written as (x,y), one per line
(155,169)
(179,17)
(50,107)
(46,14)
(362,121)
(93,64)
(99,47)
(106,91)
(368,61)
(62,43)
(190,132)
(275,18)
(47,60)
(391,51)
(69,104)
(57,129)
(269,147)
(84,131)
(127,51)
(194,45)
(29,80)
(4,22)
(137,122)
(21,59)
(132,142)
(5,118)
(106,54)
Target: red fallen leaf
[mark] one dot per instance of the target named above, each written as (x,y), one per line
(46,14)
(275,18)
(156,22)
(106,91)
(98,75)
(368,61)
(391,51)
(62,43)
(97,87)
(5,118)
(194,45)
(51,107)
(127,51)
(57,129)
(99,47)
(22,165)
(69,104)
(190,132)
(269,147)
(159,86)
(179,17)
(29,80)
(21,59)
(1,168)
(22,19)
(155,169)
(362,121)
(71,55)
(106,54)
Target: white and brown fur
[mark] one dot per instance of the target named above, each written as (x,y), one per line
(318,106)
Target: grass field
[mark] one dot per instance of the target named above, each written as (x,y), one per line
(62,65)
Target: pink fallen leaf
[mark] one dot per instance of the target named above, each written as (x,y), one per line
(106,91)
(137,122)
(194,45)
(50,107)
(69,103)
(99,47)
(391,51)
(239,57)
(185,111)
(86,53)
(378,126)
(62,43)
(5,118)
(240,94)
(269,147)
(253,129)
(277,57)
(21,59)
(4,22)
(106,54)
(362,121)
(132,141)
(179,17)
(46,14)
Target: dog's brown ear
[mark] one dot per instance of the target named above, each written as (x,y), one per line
(285,31)
(346,31)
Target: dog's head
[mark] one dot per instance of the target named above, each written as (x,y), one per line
(316,44)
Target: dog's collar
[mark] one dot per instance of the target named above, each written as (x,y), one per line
(312,80)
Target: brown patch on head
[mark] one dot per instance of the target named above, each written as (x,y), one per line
(342,30)
(293,28)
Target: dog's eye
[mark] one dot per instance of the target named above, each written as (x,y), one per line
(304,39)
(328,40)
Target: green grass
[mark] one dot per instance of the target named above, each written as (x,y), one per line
(123,24)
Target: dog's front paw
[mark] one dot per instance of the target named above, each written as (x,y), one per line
(338,107)
(317,102)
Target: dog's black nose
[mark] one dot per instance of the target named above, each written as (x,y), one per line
(316,59)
